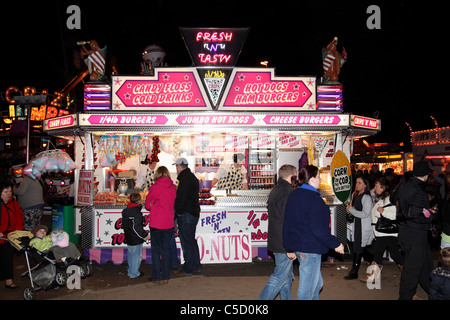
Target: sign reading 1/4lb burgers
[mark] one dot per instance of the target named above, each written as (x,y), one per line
(341,176)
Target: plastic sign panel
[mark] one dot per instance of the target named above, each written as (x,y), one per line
(366,123)
(169,89)
(214,81)
(85,192)
(341,176)
(259,89)
(217,47)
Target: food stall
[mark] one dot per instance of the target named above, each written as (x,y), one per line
(432,145)
(205,114)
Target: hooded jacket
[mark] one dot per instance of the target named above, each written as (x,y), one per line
(160,201)
(133,224)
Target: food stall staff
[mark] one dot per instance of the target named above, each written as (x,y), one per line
(232,176)
(146,174)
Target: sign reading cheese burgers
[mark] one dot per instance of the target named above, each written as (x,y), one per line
(341,176)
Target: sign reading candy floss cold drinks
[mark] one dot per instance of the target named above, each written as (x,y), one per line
(169,88)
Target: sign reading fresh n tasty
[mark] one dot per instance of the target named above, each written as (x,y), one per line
(218,47)
(259,89)
(171,88)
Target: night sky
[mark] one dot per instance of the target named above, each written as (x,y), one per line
(394,73)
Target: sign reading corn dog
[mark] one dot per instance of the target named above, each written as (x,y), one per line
(341,176)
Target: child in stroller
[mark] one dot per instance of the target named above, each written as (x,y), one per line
(49,272)
(65,252)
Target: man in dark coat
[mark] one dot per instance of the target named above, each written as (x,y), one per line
(281,280)
(413,234)
(187,212)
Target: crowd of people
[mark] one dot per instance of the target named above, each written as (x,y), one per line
(298,229)
(418,203)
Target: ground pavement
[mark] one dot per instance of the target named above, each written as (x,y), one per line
(216,282)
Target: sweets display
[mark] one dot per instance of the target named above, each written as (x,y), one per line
(204,196)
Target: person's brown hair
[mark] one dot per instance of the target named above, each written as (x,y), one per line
(306,173)
(135,197)
(162,172)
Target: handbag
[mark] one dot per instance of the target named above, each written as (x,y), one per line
(386,225)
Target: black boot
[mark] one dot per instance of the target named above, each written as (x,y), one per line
(353,274)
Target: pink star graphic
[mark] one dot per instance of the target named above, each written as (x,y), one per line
(127,95)
(236,88)
(296,86)
(166,77)
(241,77)
(129,85)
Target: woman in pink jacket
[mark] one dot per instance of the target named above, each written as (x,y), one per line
(160,201)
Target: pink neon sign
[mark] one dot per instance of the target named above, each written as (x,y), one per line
(169,90)
(118,119)
(215,119)
(330,120)
(259,89)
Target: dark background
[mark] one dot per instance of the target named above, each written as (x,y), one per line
(396,73)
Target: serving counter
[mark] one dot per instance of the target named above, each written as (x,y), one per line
(234,229)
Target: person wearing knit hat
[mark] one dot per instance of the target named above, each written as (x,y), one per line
(421,169)
(413,234)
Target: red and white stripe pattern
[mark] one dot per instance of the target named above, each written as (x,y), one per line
(328,61)
(98,59)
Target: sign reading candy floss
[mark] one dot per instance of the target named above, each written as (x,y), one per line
(170,88)
(258,89)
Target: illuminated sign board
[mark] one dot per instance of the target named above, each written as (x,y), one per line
(214,81)
(168,89)
(329,98)
(211,119)
(260,89)
(218,47)
(61,122)
(366,123)
(97,96)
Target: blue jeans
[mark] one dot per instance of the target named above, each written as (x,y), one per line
(134,257)
(310,278)
(281,279)
(160,253)
(187,225)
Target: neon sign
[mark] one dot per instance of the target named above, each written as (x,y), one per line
(213,46)
(259,89)
(169,88)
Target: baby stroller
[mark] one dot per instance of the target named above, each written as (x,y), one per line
(47,273)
